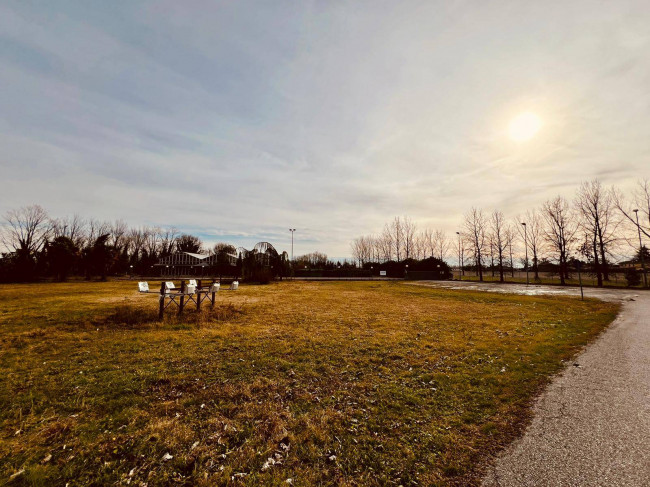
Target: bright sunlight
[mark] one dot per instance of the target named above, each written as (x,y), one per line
(524,126)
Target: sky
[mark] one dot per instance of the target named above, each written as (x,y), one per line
(238,120)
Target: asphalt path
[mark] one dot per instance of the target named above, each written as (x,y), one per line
(591,426)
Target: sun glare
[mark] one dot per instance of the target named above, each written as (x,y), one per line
(524,127)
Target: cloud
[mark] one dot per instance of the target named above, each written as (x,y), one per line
(238,120)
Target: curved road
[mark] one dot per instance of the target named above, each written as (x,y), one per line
(591,427)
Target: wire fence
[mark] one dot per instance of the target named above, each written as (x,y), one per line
(616,277)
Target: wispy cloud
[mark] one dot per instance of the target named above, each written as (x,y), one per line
(237,120)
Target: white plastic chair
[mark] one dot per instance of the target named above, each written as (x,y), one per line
(215,287)
(234,286)
(143,287)
(192,282)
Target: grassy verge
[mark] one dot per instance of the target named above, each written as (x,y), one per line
(323,383)
(587,281)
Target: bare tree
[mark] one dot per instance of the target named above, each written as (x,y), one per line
(26,230)
(475,232)
(167,238)
(640,202)
(441,245)
(511,238)
(362,249)
(96,229)
(137,241)
(532,235)
(313,259)
(499,239)
(408,232)
(73,228)
(427,242)
(595,209)
(189,243)
(355,247)
(386,243)
(397,233)
(152,241)
(118,238)
(559,231)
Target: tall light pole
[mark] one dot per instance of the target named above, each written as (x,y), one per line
(645,278)
(292,230)
(526,245)
(460,265)
(292,273)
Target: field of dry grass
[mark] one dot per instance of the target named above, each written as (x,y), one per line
(323,383)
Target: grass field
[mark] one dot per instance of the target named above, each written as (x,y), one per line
(323,383)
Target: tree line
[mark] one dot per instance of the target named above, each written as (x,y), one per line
(400,240)
(36,245)
(598,228)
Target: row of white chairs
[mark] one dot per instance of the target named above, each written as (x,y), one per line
(143,287)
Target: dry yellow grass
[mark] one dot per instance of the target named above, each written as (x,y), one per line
(322,383)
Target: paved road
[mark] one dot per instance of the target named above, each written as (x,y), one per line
(591,427)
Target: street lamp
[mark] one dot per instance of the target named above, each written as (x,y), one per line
(645,277)
(460,265)
(526,245)
(292,230)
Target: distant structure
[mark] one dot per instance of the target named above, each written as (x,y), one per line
(190,264)
(263,253)
(261,263)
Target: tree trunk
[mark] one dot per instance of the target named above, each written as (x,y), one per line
(500,267)
(603,261)
(599,275)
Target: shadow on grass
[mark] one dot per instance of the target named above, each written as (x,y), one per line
(128,316)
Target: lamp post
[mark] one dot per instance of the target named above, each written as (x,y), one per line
(292,230)
(645,277)
(460,265)
(526,245)
(578,265)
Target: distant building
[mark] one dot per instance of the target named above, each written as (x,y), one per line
(190,264)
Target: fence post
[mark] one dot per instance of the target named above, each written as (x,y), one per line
(182,303)
(198,295)
(161,301)
(213,293)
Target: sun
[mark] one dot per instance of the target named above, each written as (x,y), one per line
(524,126)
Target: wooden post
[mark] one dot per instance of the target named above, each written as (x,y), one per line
(213,293)
(161,303)
(182,303)
(198,295)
